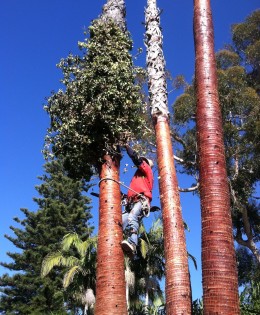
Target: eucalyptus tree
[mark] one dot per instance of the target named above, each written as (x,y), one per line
(178,295)
(100,108)
(219,273)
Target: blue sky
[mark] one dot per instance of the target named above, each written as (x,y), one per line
(35,35)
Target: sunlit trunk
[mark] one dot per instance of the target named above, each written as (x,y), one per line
(177,274)
(219,274)
(110,287)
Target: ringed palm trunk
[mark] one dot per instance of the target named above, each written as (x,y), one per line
(177,273)
(219,274)
(110,286)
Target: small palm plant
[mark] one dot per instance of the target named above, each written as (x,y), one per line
(79,259)
(148,270)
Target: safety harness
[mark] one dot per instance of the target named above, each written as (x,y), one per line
(128,202)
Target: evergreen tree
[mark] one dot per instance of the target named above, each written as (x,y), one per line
(62,208)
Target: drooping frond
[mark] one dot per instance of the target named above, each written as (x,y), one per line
(143,247)
(69,240)
(50,261)
(69,276)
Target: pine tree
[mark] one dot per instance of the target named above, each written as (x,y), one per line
(62,209)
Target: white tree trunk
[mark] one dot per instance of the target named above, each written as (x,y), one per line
(155,61)
(115,10)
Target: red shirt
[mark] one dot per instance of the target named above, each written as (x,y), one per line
(142,182)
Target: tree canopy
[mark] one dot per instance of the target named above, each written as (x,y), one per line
(101,105)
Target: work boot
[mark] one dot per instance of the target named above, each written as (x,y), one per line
(128,248)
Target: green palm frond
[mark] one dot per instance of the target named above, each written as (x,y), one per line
(50,261)
(70,261)
(69,275)
(69,240)
(144,247)
(141,229)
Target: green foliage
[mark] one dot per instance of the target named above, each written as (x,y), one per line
(101,105)
(62,208)
(76,265)
(197,307)
(246,38)
(250,299)
(248,267)
(148,270)
(78,259)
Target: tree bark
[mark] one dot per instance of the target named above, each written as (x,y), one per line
(110,287)
(177,288)
(115,10)
(177,274)
(219,272)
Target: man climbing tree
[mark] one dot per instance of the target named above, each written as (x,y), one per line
(139,197)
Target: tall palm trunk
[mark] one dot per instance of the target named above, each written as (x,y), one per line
(177,273)
(110,287)
(219,275)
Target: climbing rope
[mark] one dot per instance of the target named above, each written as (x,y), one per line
(143,200)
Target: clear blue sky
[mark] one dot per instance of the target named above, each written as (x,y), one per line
(35,35)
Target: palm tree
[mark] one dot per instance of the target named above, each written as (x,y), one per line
(110,287)
(80,276)
(148,270)
(219,274)
(178,293)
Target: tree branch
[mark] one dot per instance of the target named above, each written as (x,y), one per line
(193,188)
(249,243)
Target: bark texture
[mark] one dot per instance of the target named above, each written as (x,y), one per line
(219,273)
(115,10)
(177,285)
(155,61)
(178,294)
(110,287)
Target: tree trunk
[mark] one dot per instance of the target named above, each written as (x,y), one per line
(219,273)
(115,10)
(177,273)
(110,287)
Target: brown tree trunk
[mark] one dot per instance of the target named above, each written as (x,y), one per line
(219,273)
(178,294)
(177,289)
(110,287)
